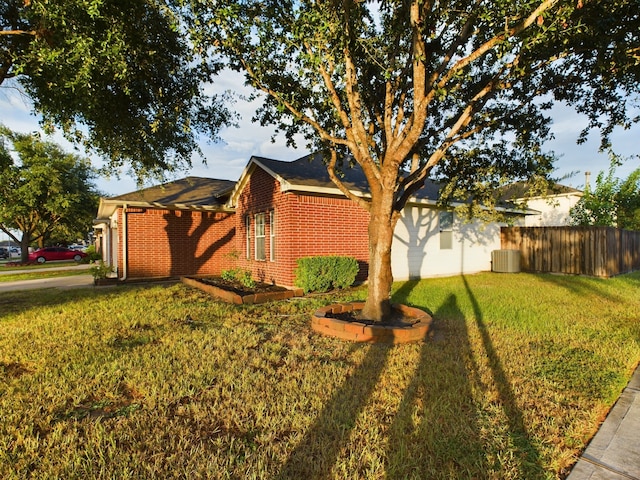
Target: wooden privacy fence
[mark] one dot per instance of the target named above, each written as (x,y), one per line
(595,251)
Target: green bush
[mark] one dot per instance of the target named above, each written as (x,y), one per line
(239,275)
(229,275)
(321,274)
(100,270)
(92,255)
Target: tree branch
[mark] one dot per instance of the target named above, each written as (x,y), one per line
(32,33)
(331,169)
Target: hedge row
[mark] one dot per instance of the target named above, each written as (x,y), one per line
(321,274)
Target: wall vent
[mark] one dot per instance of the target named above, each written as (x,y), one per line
(505,261)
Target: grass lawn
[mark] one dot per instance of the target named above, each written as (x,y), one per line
(36,266)
(38,274)
(165,382)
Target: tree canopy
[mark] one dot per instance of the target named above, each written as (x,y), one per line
(614,202)
(115,75)
(43,190)
(410,89)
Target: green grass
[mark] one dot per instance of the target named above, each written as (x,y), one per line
(35,266)
(38,274)
(165,382)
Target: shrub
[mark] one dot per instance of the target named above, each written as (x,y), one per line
(246,279)
(92,255)
(100,270)
(239,275)
(229,275)
(321,274)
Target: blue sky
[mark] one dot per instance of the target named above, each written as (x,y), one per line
(226,160)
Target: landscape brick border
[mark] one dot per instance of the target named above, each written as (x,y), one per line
(230,297)
(361,332)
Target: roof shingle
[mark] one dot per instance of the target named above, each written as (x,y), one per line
(193,191)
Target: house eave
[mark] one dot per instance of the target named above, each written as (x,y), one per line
(427,202)
(108,207)
(288,187)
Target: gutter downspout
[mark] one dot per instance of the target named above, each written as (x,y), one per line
(124,243)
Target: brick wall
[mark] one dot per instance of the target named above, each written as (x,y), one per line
(306,225)
(170,243)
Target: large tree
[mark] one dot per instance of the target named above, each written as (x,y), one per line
(410,89)
(43,190)
(115,75)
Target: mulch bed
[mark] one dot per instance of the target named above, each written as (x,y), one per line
(397,318)
(240,289)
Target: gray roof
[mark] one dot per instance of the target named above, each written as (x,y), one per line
(191,191)
(522,190)
(311,172)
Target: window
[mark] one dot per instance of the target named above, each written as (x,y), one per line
(247,224)
(260,255)
(446,230)
(272,236)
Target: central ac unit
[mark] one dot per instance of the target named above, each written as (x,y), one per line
(505,261)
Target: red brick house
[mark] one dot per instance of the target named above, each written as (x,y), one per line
(288,210)
(180,228)
(276,213)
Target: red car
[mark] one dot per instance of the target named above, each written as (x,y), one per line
(49,254)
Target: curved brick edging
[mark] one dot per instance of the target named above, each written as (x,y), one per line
(230,297)
(360,332)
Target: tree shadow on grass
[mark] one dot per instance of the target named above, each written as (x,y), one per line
(317,453)
(435,431)
(441,429)
(583,286)
(524,450)
(405,289)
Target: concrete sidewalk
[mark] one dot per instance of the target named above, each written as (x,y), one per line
(614,452)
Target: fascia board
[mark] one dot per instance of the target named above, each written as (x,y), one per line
(433,203)
(319,190)
(107,207)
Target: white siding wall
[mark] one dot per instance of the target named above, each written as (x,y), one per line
(416,249)
(554,212)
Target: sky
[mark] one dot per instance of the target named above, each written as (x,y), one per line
(227,159)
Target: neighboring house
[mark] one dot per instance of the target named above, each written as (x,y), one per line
(180,228)
(551,210)
(276,213)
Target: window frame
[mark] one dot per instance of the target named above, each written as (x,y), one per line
(272,236)
(259,238)
(247,224)
(445,226)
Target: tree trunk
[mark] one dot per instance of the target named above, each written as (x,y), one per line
(24,249)
(381,227)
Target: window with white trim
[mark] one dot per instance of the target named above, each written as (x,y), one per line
(272,236)
(259,220)
(247,224)
(446,230)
